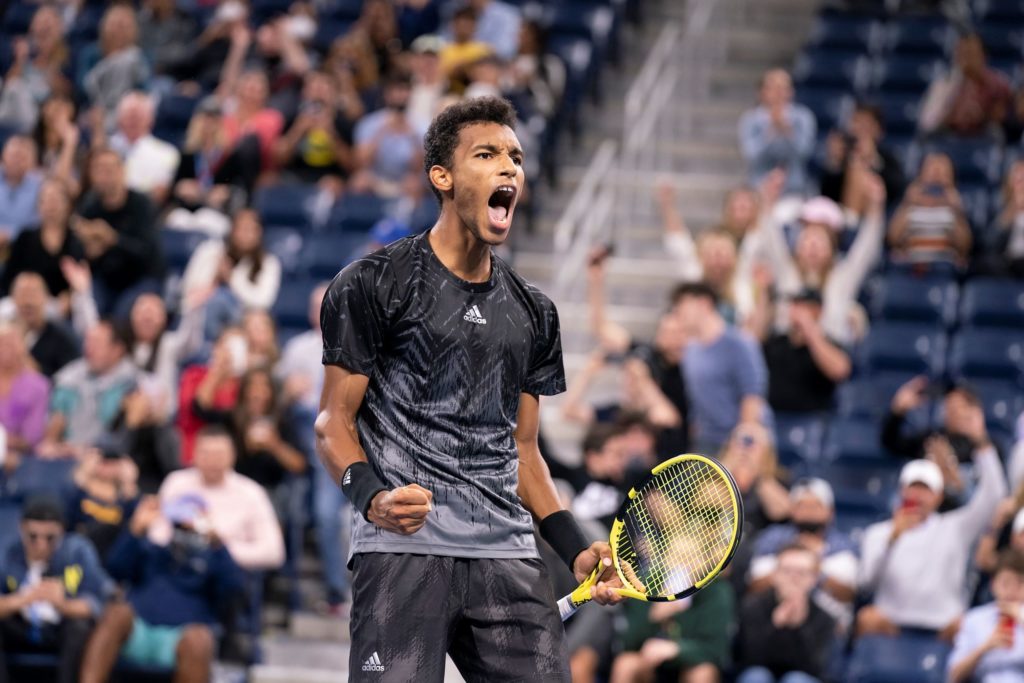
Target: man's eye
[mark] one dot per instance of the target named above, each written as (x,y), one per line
(484,155)
(518,161)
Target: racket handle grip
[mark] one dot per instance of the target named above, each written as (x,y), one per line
(566,607)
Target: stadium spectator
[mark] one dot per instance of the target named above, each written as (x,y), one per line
(41,248)
(804,365)
(105,495)
(851,153)
(149,163)
(812,526)
(54,589)
(24,394)
(211,180)
(353,54)
(233,273)
(915,564)
(750,456)
(175,592)
(88,393)
(57,137)
(317,147)
(712,257)
(389,148)
(814,262)
(378,23)
(167,35)
(599,483)
(464,48)
(971,100)
(37,70)
(238,509)
(778,134)
(929,226)
(536,72)
(118,66)
(116,226)
(1005,531)
(249,115)
(498,25)
(783,635)
(300,370)
(20,180)
(724,371)
(1006,250)
(52,346)
(210,386)
(687,639)
(989,647)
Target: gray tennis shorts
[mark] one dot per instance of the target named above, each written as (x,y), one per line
(496,618)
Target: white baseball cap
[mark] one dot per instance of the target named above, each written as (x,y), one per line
(819,488)
(922,472)
(1018,522)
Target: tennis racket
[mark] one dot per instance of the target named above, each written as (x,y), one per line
(673,534)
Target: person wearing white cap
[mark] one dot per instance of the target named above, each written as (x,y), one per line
(812,511)
(916,563)
(989,646)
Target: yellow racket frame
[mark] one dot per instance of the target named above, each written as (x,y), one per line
(581,594)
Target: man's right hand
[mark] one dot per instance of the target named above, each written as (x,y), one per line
(910,395)
(904,520)
(402,510)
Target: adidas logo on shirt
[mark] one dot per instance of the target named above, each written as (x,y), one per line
(474,315)
(373,664)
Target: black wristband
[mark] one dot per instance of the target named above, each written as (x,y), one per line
(360,485)
(564,535)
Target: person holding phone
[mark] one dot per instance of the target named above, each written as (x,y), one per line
(915,563)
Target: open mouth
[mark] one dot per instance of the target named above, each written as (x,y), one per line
(499,206)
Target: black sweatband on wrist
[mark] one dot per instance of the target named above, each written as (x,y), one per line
(360,485)
(564,535)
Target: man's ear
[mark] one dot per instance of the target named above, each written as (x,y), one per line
(440,178)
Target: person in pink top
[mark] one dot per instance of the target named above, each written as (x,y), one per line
(24,393)
(252,116)
(238,508)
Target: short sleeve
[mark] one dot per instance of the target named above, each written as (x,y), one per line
(352,317)
(546,376)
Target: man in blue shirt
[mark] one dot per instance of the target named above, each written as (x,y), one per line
(53,588)
(20,180)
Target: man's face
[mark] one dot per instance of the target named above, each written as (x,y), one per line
(101,351)
(670,337)
(30,299)
(970,56)
(18,157)
(396,96)
(609,462)
(691,310)
(864,125)
(463,28)
(214,457)
(958,410)
(317,89)
(106,173)
(776,88)
(921,498)
(718,258)
(135,118)
(1008,586)
(487,179)
(795,574)
(807,509)
(40,539)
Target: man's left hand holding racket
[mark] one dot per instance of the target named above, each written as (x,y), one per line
(604,592)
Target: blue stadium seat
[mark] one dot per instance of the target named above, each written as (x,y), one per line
(863,483)
(978,353)
(329,30)
(829,105)
(905,73)
(175,111)
(850,438)
(1007,12)
(905,297)
(325,255)
(798,438)
(908,658)
(357,212)
(17,18)
(178,246)
(904,347)
(846,33)
(870,397)
(10,517)
(924,35)
(899,111)
(993,303)
(1003,401)
(975,160)
(1002,39)
(291,310)
(37,477)
(823,67)
(285,243)
(853,519)
(286,204)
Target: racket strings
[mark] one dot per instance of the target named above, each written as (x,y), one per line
(677,529)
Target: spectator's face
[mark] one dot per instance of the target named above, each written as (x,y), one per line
(259,394)
(863,124)
(148,318)
(776,89)
(40,539)
(246,232)
(106,172)
(253,89)
(609,463)
(18,157)
(529,39)
(54,205)
(57,110)
(135,117)
(670,337)
(807,509)
(692,311)
(259,332)
(46,29)
(718,259)
(921,498)
(795,574)
(741,208)
(30,299)
(487,72)
(12,348)
(814,248)
(639,444)
(318,89)
(463,28)
(958,410)
(970,56)
(488,157)
(396,96)
(1008,586)
(214,457)
(426,66)
(268,39)
(101,350)
(796,308)
(118,29)
(937,169)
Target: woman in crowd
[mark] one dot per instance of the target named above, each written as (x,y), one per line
(24,395)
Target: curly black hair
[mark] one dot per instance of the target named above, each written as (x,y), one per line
(443,135)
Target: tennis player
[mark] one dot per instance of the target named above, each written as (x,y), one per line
(436,354)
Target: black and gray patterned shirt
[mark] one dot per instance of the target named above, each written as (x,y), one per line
(447,361)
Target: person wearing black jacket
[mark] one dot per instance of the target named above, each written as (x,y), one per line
(51,344)
(784,637)
(859,147)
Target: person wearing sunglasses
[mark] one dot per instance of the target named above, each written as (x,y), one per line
(53,589)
